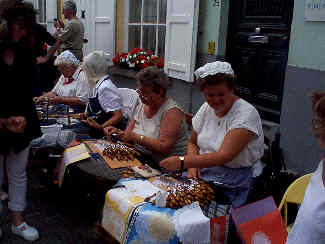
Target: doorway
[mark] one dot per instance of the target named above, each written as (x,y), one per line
(257,48)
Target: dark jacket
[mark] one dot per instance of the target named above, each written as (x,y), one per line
(16,97)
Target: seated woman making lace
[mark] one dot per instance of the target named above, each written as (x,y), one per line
(227,137)
(158,125)
(72,86)
(105,102)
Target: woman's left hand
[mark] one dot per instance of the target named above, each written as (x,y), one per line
(171,163)
(55,100)
(126,136)
(93,123)
(16,124)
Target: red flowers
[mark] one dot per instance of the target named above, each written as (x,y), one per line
(138,58)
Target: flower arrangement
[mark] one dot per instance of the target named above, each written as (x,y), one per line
(138,59)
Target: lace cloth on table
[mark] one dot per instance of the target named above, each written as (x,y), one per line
(191,226)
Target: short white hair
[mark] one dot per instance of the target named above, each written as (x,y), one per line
(96,64)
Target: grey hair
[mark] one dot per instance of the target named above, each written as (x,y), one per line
(152,76)
(96,64)
(70,5)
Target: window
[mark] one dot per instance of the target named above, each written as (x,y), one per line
(40,6)
(41,11)
(147,25)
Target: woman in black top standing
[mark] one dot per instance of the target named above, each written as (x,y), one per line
(19,123)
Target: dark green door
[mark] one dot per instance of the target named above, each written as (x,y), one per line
(257,48)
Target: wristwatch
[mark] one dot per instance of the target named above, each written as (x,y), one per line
(181,158)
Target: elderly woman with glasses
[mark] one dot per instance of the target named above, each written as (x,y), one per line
(158,125)
(105,102)
(72,86)
(227,137)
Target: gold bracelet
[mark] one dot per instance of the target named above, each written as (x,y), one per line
(141,139)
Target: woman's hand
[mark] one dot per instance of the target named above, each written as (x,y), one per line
(93,123)
(193,173)
(81,116)
(56,100)
(16,124)
(109,130)
(127,136)
(171,163)
(41,60)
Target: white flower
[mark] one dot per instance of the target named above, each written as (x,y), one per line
(134,56)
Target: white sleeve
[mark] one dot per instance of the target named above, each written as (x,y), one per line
(137,111)
(198,119)
(82,87)
(247,118)
(58,85)
(109,99)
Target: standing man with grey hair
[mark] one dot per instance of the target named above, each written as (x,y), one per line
(72,35)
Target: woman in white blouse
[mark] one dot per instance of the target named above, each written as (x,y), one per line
(105,102)
(309,226)
(227,137)
(72,86)
(158,125)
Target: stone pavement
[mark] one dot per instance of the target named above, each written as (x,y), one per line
(56,221)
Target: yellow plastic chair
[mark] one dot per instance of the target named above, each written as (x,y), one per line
(294,194)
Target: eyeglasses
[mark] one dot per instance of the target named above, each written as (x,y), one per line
(144,97)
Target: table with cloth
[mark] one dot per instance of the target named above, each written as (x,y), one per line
(121,204)
(86,182)
(59,126)
(59,130)
(130,219)
(88,178)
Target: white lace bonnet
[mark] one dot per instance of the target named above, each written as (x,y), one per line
(216,67)
(66,57)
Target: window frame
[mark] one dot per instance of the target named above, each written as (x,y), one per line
(41,16)
(141,24)
(42,12)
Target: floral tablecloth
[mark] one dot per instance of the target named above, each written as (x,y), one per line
(131,220)
(120,202)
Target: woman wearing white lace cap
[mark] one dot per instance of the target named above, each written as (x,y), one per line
(72,86)
(227,137)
